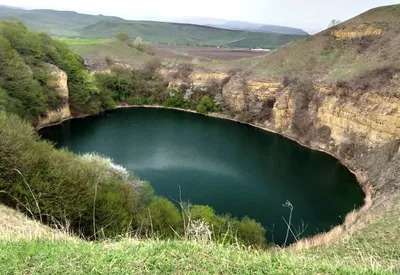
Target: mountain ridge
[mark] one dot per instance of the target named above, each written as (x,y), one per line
(73,24)
(241,25)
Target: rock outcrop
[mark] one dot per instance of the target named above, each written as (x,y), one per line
(350,125)
(61,85)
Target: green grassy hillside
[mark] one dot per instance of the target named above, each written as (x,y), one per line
(97,49)
(366,44)
(55,23)
(72,24)
(157,32)
(374,249)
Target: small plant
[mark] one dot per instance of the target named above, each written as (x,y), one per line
(287,204)
(198,231)
(296,233)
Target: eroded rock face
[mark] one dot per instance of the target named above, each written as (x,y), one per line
(61,86)
(348,124)
(373,117)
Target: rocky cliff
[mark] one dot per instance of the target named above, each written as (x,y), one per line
(348,124)
(61,85)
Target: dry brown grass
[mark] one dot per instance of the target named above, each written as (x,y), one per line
(16,226)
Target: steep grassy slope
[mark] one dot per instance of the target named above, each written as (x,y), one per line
(72,24)
(16,226)
(372,250)
(347,51)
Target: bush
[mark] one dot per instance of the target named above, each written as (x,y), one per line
(228,229)
(165,217)
(175,101)
(205,105)
(123,37)
(150,68)
(251,232)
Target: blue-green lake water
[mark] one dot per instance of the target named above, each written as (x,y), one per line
(233,167)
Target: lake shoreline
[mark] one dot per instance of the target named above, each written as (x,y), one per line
(319,239)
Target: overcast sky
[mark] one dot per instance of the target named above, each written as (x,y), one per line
(310,15)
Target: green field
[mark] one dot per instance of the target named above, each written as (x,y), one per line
(98,49)
(85,41)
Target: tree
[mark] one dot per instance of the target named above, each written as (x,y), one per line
(334,22)
(138,44)
(123,37)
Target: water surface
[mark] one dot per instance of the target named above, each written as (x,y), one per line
(234,168)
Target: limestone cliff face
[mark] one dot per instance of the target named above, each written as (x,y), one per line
(344,123)
(374,118)
(356,31)
(61,85)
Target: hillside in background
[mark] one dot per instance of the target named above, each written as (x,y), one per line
(55,23)
(72,24)
(362,49)
(241,25)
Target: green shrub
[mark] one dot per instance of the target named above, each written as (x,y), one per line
(250,232)
(165,216)
(123,37)
(203,212)
(175,101)
(134,87)
(205,105)
(138,101)
(228,229)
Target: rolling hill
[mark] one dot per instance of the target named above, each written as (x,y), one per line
(72,24)
(241,25)
(159,32)
(366,44)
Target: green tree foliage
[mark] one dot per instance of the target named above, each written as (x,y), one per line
(250,231)
(123,37)
(206,105)
(136,87)
(175,101)
(25,94)
(28,82)
(165,216)
(227,228)
(67,187)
